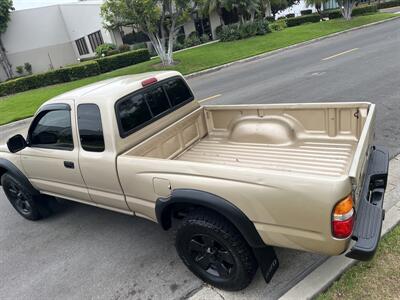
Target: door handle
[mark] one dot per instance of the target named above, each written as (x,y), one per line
(69,164)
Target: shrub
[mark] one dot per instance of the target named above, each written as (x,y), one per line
(290,16)
(242,31)
(133,38)
(270,19)
(124,48)
(191,41)
(28,68)
(82,70)
(114,62)
(282,18)
(218,30)
(276,26)
(229,33)
(178,46)
(303,19)
(247,30)
(104,49)
(32,81)
(357,11)
(306,12)
(204,38)
(389,4)
(139,46)
(334,14)
(19,70)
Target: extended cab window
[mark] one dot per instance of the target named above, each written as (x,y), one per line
(90,128)
(52,129)
(142,108)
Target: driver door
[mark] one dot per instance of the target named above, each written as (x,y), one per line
(51,158)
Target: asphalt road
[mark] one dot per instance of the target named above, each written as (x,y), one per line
(84,252)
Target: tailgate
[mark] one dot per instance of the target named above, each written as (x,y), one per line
(359,165)
(369,173)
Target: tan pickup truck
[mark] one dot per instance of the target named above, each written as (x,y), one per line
(237,179)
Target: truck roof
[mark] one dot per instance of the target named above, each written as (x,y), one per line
(111,89)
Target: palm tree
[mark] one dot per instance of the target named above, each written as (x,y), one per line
(265,8)
(317,3)
(208,6)
(6,6)
(243,7)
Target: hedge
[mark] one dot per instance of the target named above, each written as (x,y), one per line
(290,15)
(389,4)
(79,71)
(83,70)
(234,32)
(110,63)
(357,11)
(334,14)
(301,20)
(306,12)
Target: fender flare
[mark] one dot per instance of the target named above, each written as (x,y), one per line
(213,202)
(15,172)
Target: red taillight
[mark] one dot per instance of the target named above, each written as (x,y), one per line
(149,81)
(343,218)
(343,229)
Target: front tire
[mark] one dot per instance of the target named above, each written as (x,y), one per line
(27,205)
(214,250)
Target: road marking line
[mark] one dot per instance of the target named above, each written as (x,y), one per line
(341,53)
(210,98)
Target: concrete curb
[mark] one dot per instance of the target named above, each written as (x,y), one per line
(266,54)
(327,273)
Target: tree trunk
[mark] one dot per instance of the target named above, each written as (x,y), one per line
(221,18)
(347,9)
(268,10)
(5,63)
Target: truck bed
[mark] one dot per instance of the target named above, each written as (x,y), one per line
(321,158)
(316,139)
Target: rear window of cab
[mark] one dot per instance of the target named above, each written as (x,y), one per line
(151,103)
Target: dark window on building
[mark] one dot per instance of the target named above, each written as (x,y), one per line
(82,46)
(95,39)
(90,128)
(141,108)
(52,129)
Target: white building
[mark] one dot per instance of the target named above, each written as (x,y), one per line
(54,36)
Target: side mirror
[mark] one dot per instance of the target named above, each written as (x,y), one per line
(16,143)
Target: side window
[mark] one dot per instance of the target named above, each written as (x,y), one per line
(178,92)
(132,112)
(53,130)
(90,128)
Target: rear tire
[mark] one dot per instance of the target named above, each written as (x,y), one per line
(25,203)
(214,250)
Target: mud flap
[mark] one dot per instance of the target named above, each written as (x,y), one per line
(267,260)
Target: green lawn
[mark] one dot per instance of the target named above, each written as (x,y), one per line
(22,105)
(377,279)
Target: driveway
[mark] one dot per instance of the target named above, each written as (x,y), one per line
(85,252)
